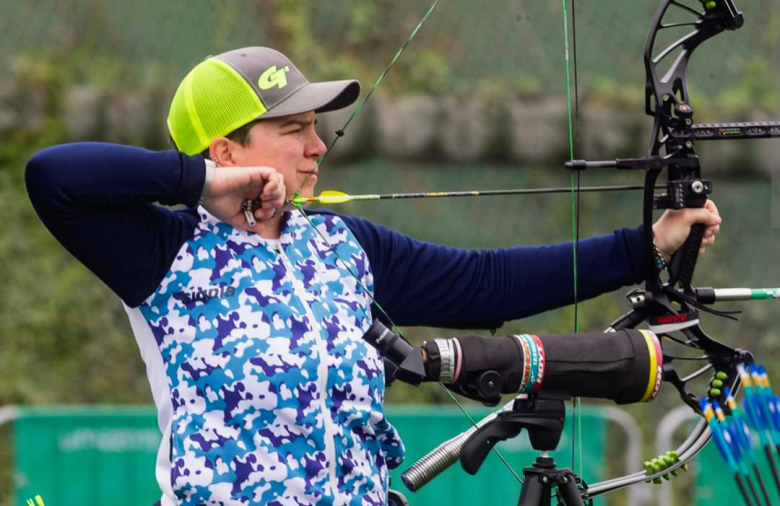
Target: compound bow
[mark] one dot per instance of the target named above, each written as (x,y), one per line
(673,304)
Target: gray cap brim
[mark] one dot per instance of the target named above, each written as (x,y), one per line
(317,97)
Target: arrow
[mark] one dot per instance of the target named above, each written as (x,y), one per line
(757,419)
(337,197)
(723,446)
(732,439)
(770,400)
(742,436)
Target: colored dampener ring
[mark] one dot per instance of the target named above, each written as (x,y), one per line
(656,365)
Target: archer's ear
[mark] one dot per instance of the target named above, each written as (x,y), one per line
(223,151)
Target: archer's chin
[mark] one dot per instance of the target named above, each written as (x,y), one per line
(308,189)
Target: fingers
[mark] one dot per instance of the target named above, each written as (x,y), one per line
(271,197)
(706,243)
(711,207)
(712,226)
(710,217)
(672,229)
(274,192)
(265,214)
(703,215)
(265,189)
(233,187)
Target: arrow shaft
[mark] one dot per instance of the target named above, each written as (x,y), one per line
(761,484)
(772,466)
(491,193)
(467,193)
(742,490)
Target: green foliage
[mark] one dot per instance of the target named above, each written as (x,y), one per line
(428,71)
(465,48)
(611,93)
(64,337)
(754,92)
(366,22)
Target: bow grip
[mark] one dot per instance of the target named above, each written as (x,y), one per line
(684,260)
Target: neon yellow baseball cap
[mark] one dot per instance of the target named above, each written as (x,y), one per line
(227,91)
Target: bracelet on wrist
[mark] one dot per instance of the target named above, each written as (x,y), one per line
(660,263)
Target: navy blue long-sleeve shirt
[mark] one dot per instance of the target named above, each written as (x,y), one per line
(253,347)
(99,201)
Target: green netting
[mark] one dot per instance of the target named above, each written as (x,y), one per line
(466,45)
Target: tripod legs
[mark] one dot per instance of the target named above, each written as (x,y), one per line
(534,492)
(539,481)
(570,493)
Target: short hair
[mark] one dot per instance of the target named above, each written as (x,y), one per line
(239,135)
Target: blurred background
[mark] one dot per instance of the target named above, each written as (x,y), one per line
(478,101)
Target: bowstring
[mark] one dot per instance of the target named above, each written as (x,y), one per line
(579,214)
(573,118)
(345,265)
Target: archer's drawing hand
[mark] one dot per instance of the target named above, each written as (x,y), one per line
(232,186)
(672,228)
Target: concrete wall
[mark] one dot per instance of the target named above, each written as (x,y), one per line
(411,127)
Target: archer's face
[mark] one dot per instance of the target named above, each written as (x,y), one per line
(290,145)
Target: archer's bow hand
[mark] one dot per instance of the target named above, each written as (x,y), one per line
(233,186)
(673,227)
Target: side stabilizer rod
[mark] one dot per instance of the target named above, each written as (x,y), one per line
(723,131)
(712,295)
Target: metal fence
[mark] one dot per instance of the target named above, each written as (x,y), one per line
(106,455)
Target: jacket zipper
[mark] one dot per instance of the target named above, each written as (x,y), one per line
(322,373)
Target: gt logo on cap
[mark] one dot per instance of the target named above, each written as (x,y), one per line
(273,77)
